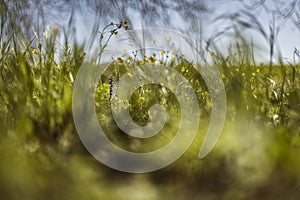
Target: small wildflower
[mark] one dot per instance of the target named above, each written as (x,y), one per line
(253,74)
(257,70)
(126,21)
(120,60)
(212,54)
(34,51)
(152,59)
(243,74)
(162,52)
(142,62)
(237,69)
(153,41)
(223,75)
(169,38)
(118,76)
(111,83)
(172,58)
(174,50)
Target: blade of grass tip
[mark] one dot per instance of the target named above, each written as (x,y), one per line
(271,43)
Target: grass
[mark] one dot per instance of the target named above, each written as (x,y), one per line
(257,156)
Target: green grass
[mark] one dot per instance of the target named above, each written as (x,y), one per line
(257,156)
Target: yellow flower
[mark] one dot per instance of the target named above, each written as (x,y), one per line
(142,62)
(172,58)
(35,51)
(169,38)
(174,50)
(243,74)
(223,75)
(152,59)
(237,69)
(120,60)
(153,41)
(253,74)
(126,21)
(162,52)
(212,54)
(257,70)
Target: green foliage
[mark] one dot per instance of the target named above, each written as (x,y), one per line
(36,86)
(41,156)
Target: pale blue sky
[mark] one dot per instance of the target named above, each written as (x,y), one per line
(288,38)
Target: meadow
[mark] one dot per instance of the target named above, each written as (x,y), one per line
(42,157)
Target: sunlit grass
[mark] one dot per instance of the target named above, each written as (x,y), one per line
(42,157)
